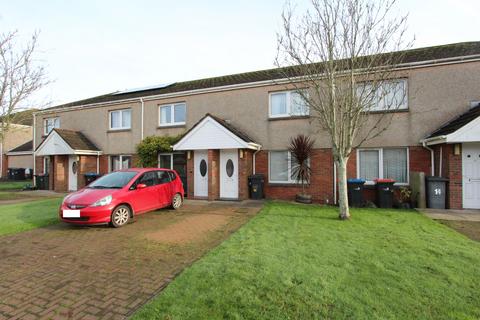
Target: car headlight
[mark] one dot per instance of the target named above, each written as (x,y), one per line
(102,202)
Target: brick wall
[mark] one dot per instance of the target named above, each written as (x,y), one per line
(60,173)
(245,169)
(190,175)
(321,186)
(213,174)
(86,164)
(420,160)
(103,164)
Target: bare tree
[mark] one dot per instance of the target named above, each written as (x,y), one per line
(342,58)
(20,77)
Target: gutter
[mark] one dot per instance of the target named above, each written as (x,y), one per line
(413,65)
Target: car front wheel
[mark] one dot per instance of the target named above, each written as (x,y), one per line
(120,216)
(177,201)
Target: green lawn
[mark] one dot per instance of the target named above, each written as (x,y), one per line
(300,262)
(13,185)
(28,215)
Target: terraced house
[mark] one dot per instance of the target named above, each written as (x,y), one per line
(241,124)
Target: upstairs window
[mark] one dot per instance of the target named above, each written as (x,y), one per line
(121,119)
(49,124)
(390,95)
(287,104)
(172,114)
(383,163)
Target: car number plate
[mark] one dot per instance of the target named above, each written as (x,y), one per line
(71,213)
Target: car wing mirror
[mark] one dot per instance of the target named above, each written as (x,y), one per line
(141,186)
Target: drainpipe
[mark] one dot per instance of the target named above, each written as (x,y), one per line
(143,107)
(440,162)
(254,154)
(98,162)
(34,147)
(432,156)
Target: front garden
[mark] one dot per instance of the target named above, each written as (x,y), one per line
(301,262)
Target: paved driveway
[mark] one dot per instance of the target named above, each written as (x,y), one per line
(66,272)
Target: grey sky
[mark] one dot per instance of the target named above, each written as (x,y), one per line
(95,47)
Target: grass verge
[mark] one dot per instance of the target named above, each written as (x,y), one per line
(301,262)
(28,215)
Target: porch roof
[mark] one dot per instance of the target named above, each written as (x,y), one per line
(212,132)
(62,141)
(463,128)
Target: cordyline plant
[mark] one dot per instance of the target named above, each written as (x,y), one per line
(341,56)
(301,148)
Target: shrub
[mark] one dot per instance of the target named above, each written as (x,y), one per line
(151,146)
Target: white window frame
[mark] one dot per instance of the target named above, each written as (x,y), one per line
(166,154)
(378,96)
(120,156)
(380,164)
(46,164)
(288,113)
(45,124)
(121,111)
(289,169)
(172,115)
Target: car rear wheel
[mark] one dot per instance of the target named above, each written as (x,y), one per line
(177,201)
(120,216)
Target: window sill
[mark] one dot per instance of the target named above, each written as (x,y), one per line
(288,118)
(388,111)
(167,126)
(118,130)
(373,186)
(286,184)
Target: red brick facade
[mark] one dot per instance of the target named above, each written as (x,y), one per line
(245,169)
(4,172)
(213,174)
(449,165)
(320,187)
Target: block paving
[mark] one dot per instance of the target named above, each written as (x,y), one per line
(71,272)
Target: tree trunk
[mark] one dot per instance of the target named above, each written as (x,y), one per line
(344,212)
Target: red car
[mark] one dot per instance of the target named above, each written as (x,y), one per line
(116,197)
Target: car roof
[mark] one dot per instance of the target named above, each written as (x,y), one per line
(141,170)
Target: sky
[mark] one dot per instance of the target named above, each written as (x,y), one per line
(96,47)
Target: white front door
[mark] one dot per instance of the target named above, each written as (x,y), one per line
(471,175)
(200,177)
(72,173)
(229,174)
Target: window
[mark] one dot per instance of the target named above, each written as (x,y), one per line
(120,162)
(389,96)
(120,119)
(149,179)
(172,114)
(163,177)
(287,104)
(46,165)
(384,163)
(280,167)
(49,124)
(174,161)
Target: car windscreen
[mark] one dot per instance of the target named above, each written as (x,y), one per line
(114,180)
